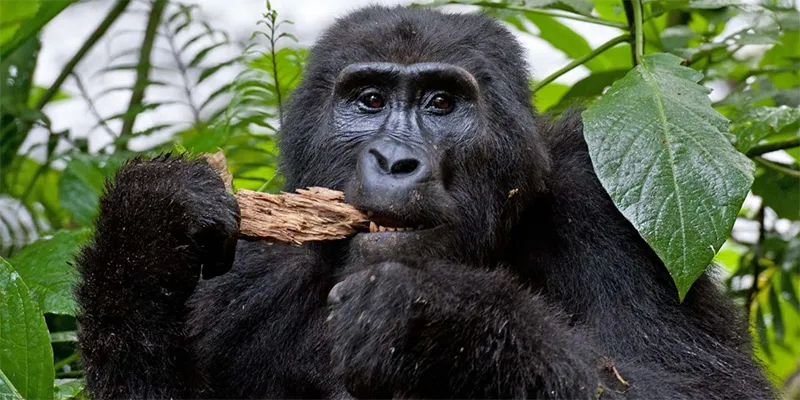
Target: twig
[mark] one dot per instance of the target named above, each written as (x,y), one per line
(143,67)
(777,167)
(576,17)
(773,146)
(579,61)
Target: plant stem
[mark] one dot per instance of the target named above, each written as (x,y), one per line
(777,167)
(274,59)
(583,59)
(143,67)
(774,146)
(638,31)
(98,33)
(576,17)
(753,292)
(65,361)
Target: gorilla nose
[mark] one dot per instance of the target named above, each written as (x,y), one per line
(392,165)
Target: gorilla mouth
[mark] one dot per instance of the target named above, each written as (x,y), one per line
(373,227)
(385,223)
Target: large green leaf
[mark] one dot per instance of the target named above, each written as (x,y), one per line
(44,267)
(26,358)
(663,155)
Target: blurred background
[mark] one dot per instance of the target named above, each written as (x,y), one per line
(86,84)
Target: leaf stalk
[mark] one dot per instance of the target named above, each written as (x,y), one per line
(579,61)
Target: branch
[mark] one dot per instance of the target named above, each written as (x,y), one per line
(143,68)
(550,13)
(98,33)
(777,167)
(773,146)
(577,62)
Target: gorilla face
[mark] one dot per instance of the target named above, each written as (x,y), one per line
(422,125)
(405,119)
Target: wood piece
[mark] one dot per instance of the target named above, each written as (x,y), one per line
(220,164)
(312,214)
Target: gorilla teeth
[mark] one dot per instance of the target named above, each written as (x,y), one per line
(373,227)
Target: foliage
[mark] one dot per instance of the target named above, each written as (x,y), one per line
(677,165)
(645,136)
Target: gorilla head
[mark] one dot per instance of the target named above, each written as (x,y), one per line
(424,120)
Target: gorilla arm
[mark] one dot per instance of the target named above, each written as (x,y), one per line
(445,330)
(162,223)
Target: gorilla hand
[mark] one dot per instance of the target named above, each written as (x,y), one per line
(166,213)
(162,223)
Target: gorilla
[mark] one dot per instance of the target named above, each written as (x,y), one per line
(498,266)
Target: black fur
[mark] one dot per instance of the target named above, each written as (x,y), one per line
(534,286)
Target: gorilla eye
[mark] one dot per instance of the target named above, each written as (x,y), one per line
(371,101)
(441,102)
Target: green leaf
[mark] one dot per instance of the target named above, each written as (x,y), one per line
(7,389)
(583,7)
(780,192)
(43,265)
(565,39)
(38,91)
(549,95)
(676,37)
(13,14)
(80,187)
(589,87)
(47,10)
(66,389)
(759,123)
(663,155)
(785,53)
(26,358)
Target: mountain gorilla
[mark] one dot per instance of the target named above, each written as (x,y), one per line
(497,266)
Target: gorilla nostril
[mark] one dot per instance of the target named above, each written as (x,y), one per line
(382,163)
(405,166)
